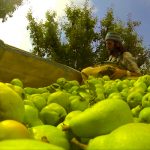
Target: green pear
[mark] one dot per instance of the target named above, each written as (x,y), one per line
(51,134)
(30,90)
(146,100)
(136,110)
(72,114)
(110,87)
(61,98)
(19,90)
(28,102)
(17,82)
(78,103)
(124,94)
(52,114)
(102,118)
(144,115)
(69,84)
(134,99)
(121,85)
(61,81)
(148,88)
(31,117)
(131,136)
(11,129)
(11,104)
(115,95)
(42,90)
(38,100)
(146,79)
(27,144)
(106,78)
(141,84)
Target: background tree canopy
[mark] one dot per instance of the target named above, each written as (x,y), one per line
(7,7)
(84,37)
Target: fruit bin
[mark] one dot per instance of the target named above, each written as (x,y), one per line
(32,70)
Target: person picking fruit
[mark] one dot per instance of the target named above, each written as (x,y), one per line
(120,63)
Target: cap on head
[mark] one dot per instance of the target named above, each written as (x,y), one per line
(113,36)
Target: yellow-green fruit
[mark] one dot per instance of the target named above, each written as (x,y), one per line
(52,114)
(102,118)
(38,100)
(50,134)
(144,115)
(27,144)
(31,117)
(61,98)
(132,136)
(11,104)
(11,129)
(17,82)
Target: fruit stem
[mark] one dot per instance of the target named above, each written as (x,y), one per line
(79,144)
(65,127)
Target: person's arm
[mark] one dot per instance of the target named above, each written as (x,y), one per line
(130,63)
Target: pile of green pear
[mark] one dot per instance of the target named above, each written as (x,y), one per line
(98,114)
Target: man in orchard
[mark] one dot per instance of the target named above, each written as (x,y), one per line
(120,63)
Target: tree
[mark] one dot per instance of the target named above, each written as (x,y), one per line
(79,31)
(45,36)
(7,7)
(78,28)
(132,41)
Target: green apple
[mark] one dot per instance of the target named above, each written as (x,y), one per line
(146,100)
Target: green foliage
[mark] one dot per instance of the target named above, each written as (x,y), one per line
(7,7)
(132,41)
(83,44)
(80,34)
(45,37)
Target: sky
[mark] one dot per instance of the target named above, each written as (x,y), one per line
(14,32)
